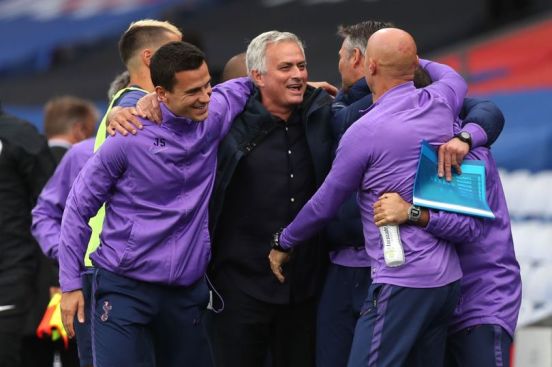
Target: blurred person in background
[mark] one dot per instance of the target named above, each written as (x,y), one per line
(235,67)
(67,121)
(26,163)
(121,81)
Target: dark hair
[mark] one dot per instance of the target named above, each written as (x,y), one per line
(358,34)
(421,78)
(144,34)
(171,59)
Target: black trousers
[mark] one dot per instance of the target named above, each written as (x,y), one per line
(15,302)
(252,333)
(10,348)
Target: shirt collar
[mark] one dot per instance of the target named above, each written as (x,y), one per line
(59,143)
(402,88)
(174,122)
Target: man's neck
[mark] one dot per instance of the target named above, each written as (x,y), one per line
(379,89)
(282,112)
(142,78)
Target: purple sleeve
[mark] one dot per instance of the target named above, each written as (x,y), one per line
(478,135)
(130,98)
(48,211)
(446,83)
(90,190)
(228,100)
(454,227)
(344,178)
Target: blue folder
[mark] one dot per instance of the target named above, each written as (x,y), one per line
(465,194)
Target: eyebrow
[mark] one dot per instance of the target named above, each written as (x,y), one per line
(197,89)
(285,63)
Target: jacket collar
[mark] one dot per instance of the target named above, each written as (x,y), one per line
(173,122)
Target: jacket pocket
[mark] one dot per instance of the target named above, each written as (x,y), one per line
(127,255)
(371,302)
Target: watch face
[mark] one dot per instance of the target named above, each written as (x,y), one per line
(414,213)
(465,135)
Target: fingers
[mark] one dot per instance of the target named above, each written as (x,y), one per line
(451,156)
(380,219)
(67,317)
(124,121)
(441,161)
(332,90)
(126,126)
(455,164)
(448,165)
(279,273)
(156,112)
(111,130)
(276,267)
(329,88)
(148,107)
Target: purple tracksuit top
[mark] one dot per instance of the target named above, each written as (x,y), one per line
(50,205)
(491,285)
(378,154)
(156,186)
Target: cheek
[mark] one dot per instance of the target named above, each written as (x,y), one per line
(340,66)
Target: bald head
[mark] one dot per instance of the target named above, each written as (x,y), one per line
(392,53)
(235,67)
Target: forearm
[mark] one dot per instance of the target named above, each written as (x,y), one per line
(315,214)
(72,248)
(229,99)
(454,227)
(483,120)
(448,82)
(46,228)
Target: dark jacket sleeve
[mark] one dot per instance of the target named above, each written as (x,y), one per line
(485,114)
(348,115)
(346,229)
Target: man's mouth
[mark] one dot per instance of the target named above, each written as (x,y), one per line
(296,87)
(200,108)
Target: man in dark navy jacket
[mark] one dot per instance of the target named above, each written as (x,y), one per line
(276,154)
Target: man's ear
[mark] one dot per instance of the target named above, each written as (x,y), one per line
(257,78)
(358,58)
(161,94)
(372,66)
(146,56)
(78,131)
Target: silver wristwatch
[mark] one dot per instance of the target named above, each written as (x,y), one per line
(414,213)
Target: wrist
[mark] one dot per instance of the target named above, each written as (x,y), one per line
(414,214)
(465,137)
(275,244)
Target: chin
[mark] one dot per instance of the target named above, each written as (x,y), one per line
(201,118)
(295,100)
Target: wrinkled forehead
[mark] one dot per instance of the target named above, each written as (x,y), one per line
(284,51)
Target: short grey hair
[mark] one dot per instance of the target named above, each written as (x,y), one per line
(357,35)
(255,57)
